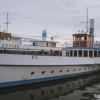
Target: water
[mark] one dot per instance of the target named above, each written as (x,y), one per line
(79,88)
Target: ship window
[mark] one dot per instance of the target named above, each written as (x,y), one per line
(85,53)
(60,53)
(32,73)
(47,44)
(56,53)
(46,53)
(75,53)
(43,72)
(60,71)
(23,52)
(34,44)
(51,52)
(73,70)
(90,53)
(80,53)
(52,71)
(79,69)
(67,70)
(41,52)
(67,53)
(95,53)
(1,51)
(5,51)
(71,53)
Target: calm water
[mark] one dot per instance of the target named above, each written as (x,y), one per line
(80,88)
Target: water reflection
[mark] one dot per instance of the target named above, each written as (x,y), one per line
(80,88)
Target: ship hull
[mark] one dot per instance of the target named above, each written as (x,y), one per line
(28,69)
(22,75)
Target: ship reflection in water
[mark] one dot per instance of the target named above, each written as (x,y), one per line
(80,88)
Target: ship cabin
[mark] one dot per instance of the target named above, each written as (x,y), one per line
(10,44)
(46,48)
(83,46)
(9,41)
(5,36)
(42,43)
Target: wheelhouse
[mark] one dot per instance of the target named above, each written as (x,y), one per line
(82,46)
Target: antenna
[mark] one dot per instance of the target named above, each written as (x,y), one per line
(52,38)
(7,22)
(87,21)
(87,26)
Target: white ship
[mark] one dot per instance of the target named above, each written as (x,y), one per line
(44,61)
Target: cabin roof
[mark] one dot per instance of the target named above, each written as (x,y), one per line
(82,34)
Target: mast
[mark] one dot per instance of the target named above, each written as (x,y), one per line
(7,22)
(87,21)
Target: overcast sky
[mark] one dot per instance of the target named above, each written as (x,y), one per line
(61,17)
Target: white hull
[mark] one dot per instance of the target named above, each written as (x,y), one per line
(22,74)
(26,69)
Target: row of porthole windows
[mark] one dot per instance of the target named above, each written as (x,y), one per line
(43,72)
(52,71)
(9,46)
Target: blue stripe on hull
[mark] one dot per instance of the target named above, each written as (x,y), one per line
(38,80)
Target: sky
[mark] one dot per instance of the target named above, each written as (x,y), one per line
(60,18)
